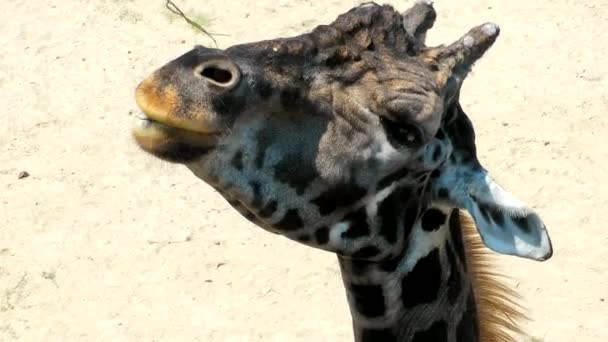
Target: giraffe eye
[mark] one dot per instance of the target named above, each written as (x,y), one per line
(410,137)
(402,133)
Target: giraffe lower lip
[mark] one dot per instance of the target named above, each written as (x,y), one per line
(171,143)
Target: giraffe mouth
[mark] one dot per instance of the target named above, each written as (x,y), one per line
(145,120)
(161,131)
(147,126)
(170,143)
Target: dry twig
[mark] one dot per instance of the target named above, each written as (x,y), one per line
(171,6)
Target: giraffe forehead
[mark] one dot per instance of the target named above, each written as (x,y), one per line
(363,28)
(364,39)
(389,82)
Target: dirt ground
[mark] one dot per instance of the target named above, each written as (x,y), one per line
(104,243)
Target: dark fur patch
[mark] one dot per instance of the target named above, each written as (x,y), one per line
(263,88)
(257,195)
(293,171)
(369,299)
(377,335)
(237,160)
(432,219)
(388,212)
(422,284)
(436,153)
(358,224)
(268,209)
(322,235)
(456,236)
(291,220)
(409,220)
(420,192)
(438,332)
(468,327)
(290,98)
(391,264)
(440,134)
(455,279)
(366,252)
(358,267)
(341,195)
(263,139)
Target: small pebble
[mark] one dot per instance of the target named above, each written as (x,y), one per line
(23,174)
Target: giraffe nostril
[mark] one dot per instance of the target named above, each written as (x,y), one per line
(222,73)
(217,74)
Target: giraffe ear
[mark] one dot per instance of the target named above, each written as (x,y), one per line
(505,223)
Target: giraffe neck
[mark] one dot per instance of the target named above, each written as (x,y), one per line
(423,295)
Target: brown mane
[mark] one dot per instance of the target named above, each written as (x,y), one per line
(499,311)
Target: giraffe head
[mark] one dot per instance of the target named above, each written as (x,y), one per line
(304,131)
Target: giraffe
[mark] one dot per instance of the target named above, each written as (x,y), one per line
(351,139)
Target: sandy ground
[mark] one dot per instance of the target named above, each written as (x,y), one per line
(103,243)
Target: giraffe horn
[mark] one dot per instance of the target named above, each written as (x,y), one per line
(453,62)
(419,19)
